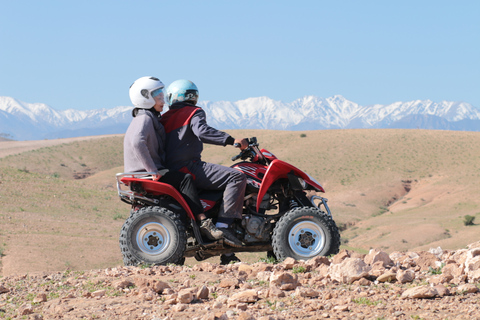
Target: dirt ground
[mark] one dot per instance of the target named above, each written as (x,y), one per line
(13,147)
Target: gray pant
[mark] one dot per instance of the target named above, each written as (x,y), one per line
(209,176)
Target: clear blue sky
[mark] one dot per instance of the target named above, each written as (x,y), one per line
(85,54)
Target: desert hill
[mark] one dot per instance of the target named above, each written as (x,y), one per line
(388,189)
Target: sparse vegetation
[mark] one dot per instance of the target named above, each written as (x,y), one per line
(299,269)
(366,301)
(436,271)
(469,220)
(361,171)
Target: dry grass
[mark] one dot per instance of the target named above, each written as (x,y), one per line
(391,189)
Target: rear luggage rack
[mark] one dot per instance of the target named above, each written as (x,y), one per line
(128,195)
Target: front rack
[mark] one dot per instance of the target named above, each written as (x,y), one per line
(322,201)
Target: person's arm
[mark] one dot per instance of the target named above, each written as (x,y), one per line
(208,134)
(140,140)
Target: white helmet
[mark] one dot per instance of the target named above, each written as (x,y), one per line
(143,90)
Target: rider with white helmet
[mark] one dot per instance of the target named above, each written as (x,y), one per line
(187,130)
(144,147)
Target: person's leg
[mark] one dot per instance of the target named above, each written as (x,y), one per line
(184,184)
(211,176)
(216,177)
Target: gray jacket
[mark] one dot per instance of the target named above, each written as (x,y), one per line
(144,143)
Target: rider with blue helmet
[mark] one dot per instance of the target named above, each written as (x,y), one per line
(187,130)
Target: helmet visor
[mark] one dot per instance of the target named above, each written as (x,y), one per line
(157,92)
(160,93)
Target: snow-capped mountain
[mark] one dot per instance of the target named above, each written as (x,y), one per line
(27,121)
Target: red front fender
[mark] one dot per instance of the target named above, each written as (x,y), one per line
(279,169)
(160,188)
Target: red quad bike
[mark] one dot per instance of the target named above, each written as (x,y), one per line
(278,217)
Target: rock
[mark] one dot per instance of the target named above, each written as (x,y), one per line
(179,307)
(472,265)
(245,268)
(339,257)
(203,293)
(362,282)
(377,255)
(3,289)
(442,290)
(377,269)
(242,306)
(422,292)
(41,297)
(247,296)
(404,276)
(98,293)
(340,308)
(25,309)
(122,284)
(264,275)
(467,288)
(387,277)
(185,296)
(219,270)
(440,279)
(454,270)
(349,270)
(245,315)
(288,263)
(317,261)
(275,292)
(438,252)
(262,266)
(306,293)
(427,260)
(474,245)
(229,283)
(146,293)
(284,280)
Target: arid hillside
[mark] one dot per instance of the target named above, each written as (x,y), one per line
(388,189)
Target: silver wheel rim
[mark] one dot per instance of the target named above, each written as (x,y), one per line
(153,238)
(306,239)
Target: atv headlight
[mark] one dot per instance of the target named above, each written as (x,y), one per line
(302,183)
(296,183)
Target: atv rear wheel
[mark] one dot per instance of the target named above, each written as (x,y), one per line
(153,236)
(304,233)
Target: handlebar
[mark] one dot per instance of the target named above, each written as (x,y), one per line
(251,151)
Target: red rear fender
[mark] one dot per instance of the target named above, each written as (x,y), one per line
(160,188)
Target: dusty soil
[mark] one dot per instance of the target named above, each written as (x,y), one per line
(13,147)
(316,291)
(414,285)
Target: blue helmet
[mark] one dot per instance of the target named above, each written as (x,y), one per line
(182,90)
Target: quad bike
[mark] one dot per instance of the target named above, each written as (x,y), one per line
(278,217)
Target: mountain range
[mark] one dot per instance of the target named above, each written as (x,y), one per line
(37,121)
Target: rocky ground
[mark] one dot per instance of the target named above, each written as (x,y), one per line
(437,284)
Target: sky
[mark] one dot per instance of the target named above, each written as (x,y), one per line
(84,55)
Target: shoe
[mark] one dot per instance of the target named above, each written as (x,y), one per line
(227,259)
(208,229)
(230,239)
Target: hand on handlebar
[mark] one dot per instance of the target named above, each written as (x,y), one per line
(242,144)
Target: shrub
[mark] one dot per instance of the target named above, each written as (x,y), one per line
(468,220)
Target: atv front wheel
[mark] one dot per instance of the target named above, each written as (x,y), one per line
(153,236)
(303,233)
